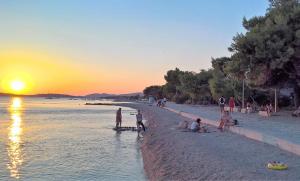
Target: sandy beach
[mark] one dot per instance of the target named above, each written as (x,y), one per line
(172,154)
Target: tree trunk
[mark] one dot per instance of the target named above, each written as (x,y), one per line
(296,64)
(276,101)
(296,96)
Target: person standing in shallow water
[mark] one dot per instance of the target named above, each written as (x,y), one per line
(139,120)
(119,118)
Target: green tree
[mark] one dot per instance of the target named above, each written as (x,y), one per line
(173,81)
(155,91)
(220,84)
(196,85)
(270,48)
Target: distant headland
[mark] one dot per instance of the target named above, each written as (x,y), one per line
(88,96)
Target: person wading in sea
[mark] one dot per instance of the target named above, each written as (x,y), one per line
(119,118)
(139,121)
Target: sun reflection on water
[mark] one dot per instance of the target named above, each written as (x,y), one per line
(14,135)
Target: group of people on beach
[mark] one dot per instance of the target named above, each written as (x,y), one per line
(268,108)
(139,119)
(222,102)
(161,102)
(196,126)
(226,119)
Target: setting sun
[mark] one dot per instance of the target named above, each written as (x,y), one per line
(16,81)
(17,85)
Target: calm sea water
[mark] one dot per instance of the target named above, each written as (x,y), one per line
(63,139)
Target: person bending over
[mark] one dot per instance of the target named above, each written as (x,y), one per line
(139,120)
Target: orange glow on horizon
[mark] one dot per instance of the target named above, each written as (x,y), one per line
(34,72)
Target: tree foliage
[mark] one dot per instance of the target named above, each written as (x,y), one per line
(183,86)
(270,48)
(155,91)
(196,85)
(266,56)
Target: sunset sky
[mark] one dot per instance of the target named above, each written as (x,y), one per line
(113,46)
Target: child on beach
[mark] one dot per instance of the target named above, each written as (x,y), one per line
(119,118)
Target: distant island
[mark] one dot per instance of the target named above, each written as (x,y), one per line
(89,96)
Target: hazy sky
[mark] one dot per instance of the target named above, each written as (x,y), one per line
(115,46)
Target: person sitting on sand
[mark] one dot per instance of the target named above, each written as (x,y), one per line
(119,118)
(226,120)
(196,126)
(139,121)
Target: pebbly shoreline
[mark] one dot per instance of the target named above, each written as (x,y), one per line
(172,154)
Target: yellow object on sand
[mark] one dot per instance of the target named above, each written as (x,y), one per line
(277,166)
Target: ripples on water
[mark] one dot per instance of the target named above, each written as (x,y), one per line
(65,140)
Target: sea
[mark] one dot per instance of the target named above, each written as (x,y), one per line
(64,139)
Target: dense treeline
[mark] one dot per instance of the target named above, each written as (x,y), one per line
(204,87)
(266,56)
